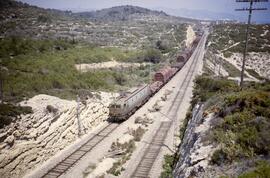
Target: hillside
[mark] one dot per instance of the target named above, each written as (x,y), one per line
(226,46)
(104,27)
(230,138)
(48,57)
(126,13)
(226,132)
(38,45)
(17,18)
(231,38)
(119,13)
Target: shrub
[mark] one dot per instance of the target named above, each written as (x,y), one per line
(55,74)
(9,112)
(219,157)
(119,78)
(244,131)
(43,18)
(152,55)
(128,148)
(262,170)
(138,133)
(254,74)
(167,167)
(206,87)
(51,109)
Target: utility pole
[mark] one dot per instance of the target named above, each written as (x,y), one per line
(78,116)
(150,77)
(1,90)
(250,9)
(78,105)
(215,65)
(3,76)
(219,66)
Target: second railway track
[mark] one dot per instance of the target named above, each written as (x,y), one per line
(151,152)
(62,167)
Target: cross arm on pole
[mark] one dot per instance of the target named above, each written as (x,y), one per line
(247,9)
(252,0)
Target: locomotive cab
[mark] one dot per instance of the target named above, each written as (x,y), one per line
(126,105)
(116,110)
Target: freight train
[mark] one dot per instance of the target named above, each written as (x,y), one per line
(125,105)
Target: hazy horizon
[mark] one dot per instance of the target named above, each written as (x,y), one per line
(172,7)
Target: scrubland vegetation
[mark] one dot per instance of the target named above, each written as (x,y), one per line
(9,112)
(242,120)
(39,48)
(167,167)
(224,36)
(48,66)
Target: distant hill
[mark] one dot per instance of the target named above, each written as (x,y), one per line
(21,19)
(119,13)
(10,3)
(198,14)
(260,18)
(19,11)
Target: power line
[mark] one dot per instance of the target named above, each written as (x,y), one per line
(250,9)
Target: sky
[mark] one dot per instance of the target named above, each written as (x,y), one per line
(221,6)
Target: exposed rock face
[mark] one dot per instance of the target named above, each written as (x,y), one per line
(36,137)
(10,140)
(190,36)
(195,155)
(107,65)
(196,152)
(260,62)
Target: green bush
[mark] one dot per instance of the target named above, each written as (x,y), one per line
(219,157)
(44,18)
(206,87)
(231,69)
(152,55)
(14,46)
(9,112)
(167,167)
(138,133)
(244,132)
(31,71)
(242,118)
(262,170)
(254,74)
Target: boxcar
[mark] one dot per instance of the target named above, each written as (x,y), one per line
(155,86)
(184,56)
(164,74)
(123,107)
(178,65)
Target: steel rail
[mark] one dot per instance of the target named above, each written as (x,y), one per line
(152,151)
(63,166)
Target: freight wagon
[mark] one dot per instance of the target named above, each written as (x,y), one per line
(164,74)
(126,105)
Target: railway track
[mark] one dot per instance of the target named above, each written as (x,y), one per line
(151,152)
(63,166)
(149,155)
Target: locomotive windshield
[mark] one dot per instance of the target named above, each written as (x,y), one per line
(115,106)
